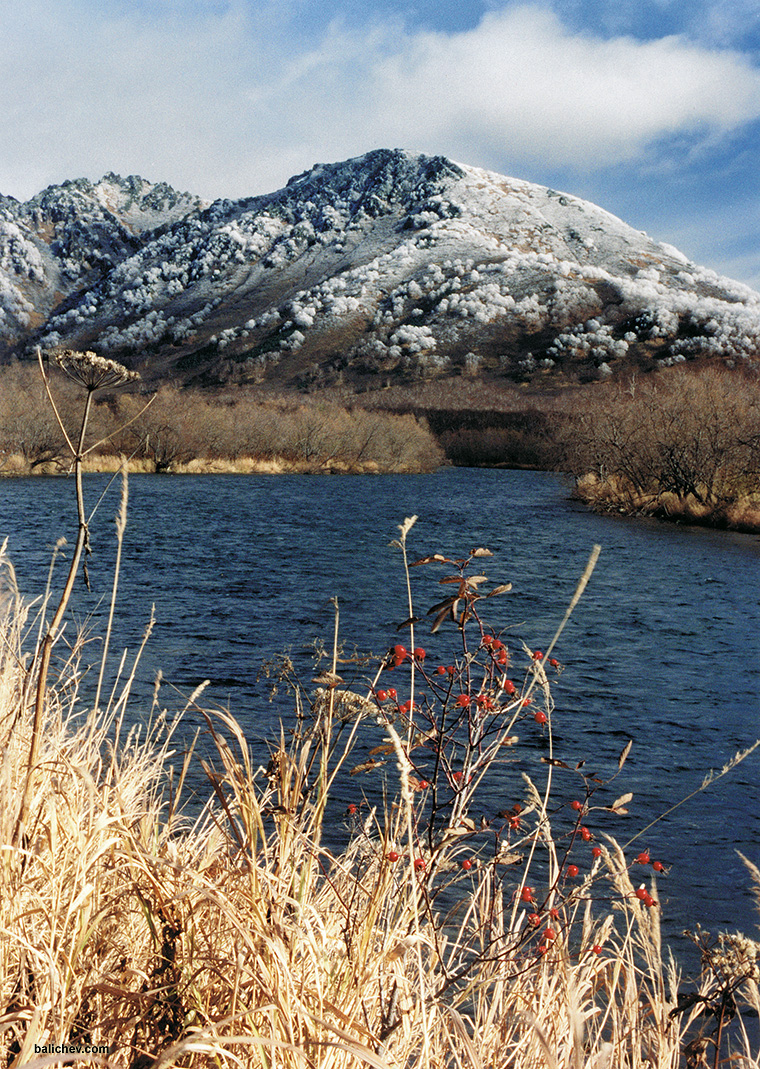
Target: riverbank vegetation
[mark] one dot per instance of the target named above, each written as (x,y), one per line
(683,445)
(275,925)
(195,431)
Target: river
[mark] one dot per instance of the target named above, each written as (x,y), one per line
(663,649)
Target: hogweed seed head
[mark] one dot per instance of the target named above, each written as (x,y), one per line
(736,958)
(92,371)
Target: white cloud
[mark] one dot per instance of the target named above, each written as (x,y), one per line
(222,105)
(520,81)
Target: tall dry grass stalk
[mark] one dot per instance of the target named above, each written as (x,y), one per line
(238,938)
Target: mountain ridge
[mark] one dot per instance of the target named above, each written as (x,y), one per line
(389,267)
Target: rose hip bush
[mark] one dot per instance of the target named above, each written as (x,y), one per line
(451,726)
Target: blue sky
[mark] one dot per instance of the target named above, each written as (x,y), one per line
(650,108)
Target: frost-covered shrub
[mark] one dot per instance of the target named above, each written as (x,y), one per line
(531,313)
(304,317)
(18,254)
(656,323)
(413,339)
(572,302)
(15,310)
(528,364)
(149,330)
(483,303)
(590,340)
(472,363)
(293,341)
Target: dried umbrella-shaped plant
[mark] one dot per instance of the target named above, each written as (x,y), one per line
(93,373)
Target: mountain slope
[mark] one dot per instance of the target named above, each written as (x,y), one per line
(57,246)
(389,267)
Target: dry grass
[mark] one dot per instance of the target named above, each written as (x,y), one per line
(15,464)
(239,939)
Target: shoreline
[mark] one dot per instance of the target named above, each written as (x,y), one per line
(599,496)
(16,467)
(606,496)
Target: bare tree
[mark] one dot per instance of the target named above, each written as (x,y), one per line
(690,433)
(29,430)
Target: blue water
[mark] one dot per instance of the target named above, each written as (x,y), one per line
(663,648)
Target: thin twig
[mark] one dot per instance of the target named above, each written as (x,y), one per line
(48,391)
(121,428)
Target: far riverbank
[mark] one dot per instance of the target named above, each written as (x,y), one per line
(601,496)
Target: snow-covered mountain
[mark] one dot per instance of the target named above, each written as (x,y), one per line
(59,245)
(391,266)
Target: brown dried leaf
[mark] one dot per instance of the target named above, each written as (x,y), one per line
(619,803)
(466,827)
(451,579)
(328,679)
(383,748)
(555,762)
(365,766)
(475,580)
(624,754)
(482,552)
(428,560)
(502,588)
(509,857)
